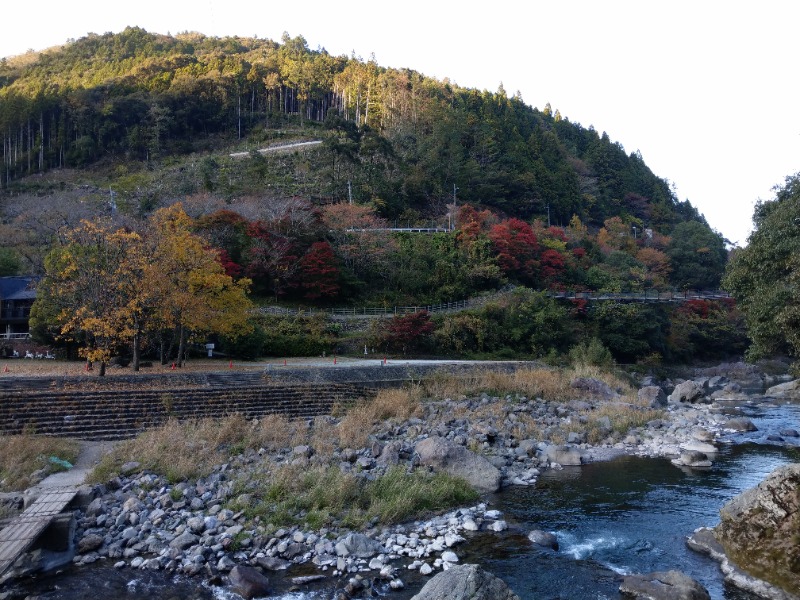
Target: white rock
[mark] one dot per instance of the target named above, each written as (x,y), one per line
(425,569)
(449,556)
(499,526)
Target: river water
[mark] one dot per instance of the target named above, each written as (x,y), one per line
(630,515)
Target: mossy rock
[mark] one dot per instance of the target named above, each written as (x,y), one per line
(760,529)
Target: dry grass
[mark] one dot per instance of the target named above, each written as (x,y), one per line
(545,383)
(21,455)
(274,432)
(359,422)
(189,449)
(549,384)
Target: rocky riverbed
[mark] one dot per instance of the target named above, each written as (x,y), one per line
(139,520)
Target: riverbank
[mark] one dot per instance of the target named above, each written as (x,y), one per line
(206,526)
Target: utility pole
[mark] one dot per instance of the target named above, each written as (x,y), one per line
(453,222)
(349,192)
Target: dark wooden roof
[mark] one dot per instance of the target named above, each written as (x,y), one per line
(18,288)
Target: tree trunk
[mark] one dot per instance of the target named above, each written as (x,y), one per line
(136,351)
(102,372)
(181,346)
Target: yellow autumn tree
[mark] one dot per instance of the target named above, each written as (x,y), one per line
(108,288)
(194,295)
(88,294)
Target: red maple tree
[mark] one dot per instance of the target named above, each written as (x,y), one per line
(516,247)
(318,274)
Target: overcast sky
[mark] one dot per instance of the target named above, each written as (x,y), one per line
(706,90)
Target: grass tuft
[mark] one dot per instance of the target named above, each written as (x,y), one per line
(22,455)
(325,496)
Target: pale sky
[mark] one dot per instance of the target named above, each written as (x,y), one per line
(706,90)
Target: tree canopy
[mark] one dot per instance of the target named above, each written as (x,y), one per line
(764,277)
(107,288)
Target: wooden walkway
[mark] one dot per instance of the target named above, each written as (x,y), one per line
(23,531)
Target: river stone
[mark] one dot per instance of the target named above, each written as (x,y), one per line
(90,542)
(665,585)
(390,454)
(595,387)
(358,545)
(789,390)
(692,458)
(456,460)
(696,446)
(653,396)
(184,541)
(248,582)
(702,435)
(545,539)
(129,467)
(465,582)
(687,392)
(527,448)
(563,455)
(740,424)
(95,508)
(789,433)
(758,528)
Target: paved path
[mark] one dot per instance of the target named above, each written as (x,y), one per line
(90,454)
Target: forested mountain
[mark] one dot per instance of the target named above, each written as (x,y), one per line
(402,140)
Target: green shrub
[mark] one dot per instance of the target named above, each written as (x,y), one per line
(592,353)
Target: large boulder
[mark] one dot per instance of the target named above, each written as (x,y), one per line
(787,391)
(759,529)
(665,585)
(465,582)
(594,387)
(687,392)
(358,545)
(653,396)
(545,539)
(440,454)
(248,582)
(563,455)
(740,424)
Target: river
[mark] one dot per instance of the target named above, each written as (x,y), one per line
(630,515)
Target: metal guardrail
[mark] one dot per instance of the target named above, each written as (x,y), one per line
(645,296)
(14,336)
(368,311)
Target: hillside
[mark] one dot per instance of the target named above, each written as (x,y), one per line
(120,125)
(401,139)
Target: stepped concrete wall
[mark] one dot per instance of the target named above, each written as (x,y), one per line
(121,406)
(119,414)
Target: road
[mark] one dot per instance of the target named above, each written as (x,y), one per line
(280,148)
